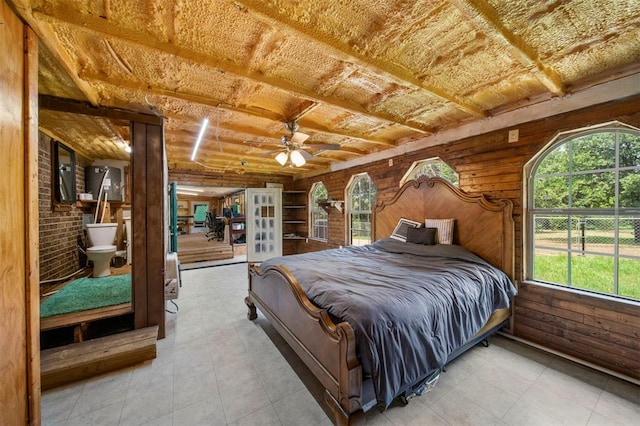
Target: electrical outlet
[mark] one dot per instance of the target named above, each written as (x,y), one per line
(390,162)
(513,135)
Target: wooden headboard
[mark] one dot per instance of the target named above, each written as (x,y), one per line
(484,227)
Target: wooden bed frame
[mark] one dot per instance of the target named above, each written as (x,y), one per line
(328,349)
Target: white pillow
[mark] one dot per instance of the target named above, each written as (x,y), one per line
(444,235)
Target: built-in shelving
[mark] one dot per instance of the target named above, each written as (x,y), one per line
(294,218)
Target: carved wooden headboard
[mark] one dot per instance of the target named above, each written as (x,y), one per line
(484,227)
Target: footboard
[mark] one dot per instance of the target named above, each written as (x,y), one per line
(327,349)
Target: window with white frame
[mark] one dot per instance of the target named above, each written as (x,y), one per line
(361,198)
(583,217)
(318,220)
(431,167)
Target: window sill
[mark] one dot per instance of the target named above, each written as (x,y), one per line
(318,240)
(585,293)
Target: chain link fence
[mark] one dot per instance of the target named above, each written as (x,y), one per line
(588,234)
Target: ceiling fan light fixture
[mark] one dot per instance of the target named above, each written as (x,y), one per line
(282,158)
(297,158)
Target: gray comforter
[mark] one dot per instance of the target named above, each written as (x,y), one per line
(410,305)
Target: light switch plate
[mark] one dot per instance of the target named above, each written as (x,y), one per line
(513,135)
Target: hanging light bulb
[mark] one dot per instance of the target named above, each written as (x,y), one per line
(297,158)
(282,158)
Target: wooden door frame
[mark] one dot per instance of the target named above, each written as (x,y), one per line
(147,196)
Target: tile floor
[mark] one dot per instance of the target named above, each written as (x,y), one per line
(217,368)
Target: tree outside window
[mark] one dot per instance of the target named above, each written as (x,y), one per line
(361,198)
(584,215)
(431,167)
(318,216)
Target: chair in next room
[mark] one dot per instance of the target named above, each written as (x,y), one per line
(216,227)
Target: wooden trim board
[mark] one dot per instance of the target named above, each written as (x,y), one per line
(77,361)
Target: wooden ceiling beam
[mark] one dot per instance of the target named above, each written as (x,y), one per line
(79,107)
(92,24)
(266,14)
(47,36)
(487,18)
(218,103)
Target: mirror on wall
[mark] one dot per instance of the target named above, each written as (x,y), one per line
(64,175)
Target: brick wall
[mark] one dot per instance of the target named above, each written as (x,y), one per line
(60,224)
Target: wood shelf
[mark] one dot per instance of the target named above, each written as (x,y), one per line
(294,218)
(236,232)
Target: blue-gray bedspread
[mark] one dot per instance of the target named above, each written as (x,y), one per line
(410,305)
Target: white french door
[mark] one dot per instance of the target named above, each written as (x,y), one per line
(264,223)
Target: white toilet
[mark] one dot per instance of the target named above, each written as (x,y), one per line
(101,248)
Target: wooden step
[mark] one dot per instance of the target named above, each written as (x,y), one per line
(77,361)
(218,252)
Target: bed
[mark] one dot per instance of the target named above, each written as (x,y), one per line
(300,301)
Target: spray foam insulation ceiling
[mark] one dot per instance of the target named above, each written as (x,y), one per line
(364,76)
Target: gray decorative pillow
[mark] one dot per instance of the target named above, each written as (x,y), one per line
(426,236)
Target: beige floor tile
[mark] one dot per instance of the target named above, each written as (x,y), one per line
(567,386)
(299,409)
(457,409)
(620,409)
(491,398)
(597,419)
(264,417)
(57,410)
(231,374)
(106,416)
(206,412)
(215,367)
(526,414)
(280,383)
(156,403)
(102,391)
(242,399)
(562,408)
(194,389)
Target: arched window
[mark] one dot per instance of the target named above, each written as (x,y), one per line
(583,215)
(431,167)
(361,198)
(318,218)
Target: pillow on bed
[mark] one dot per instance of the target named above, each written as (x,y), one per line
(426,236)
(444,235)
(400,232)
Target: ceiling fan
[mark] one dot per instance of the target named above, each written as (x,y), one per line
(292,151)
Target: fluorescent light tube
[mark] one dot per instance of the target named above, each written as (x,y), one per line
(186,193)
(203,127)
(188,188)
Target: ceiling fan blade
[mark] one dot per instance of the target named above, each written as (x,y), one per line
(323,146)
(305,154)
(270,153)
(299,138)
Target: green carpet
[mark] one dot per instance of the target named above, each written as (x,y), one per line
(88,293)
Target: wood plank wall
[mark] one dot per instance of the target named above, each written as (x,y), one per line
(603,333)
(19,308)
(229,179)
